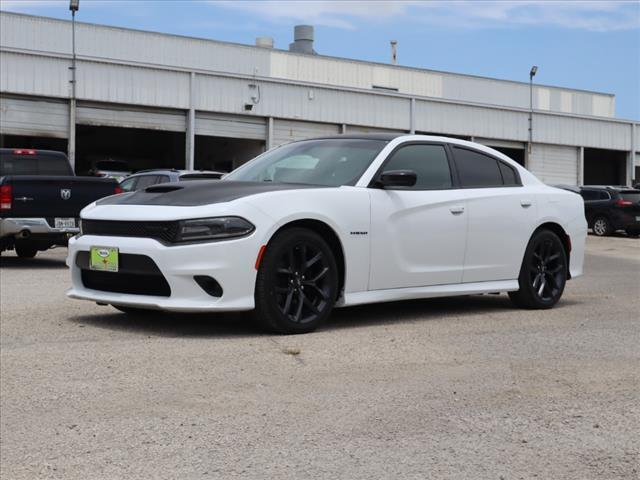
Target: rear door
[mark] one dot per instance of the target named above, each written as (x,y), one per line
(418,233)
(501,216)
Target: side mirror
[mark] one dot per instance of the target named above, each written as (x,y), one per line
(397,178)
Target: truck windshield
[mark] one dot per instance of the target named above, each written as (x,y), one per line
(330,162)
(40,163)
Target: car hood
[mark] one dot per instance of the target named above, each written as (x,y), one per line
(199,192)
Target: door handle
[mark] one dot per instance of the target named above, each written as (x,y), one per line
(525,203)
(456,210)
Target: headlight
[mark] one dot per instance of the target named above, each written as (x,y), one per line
(213,228)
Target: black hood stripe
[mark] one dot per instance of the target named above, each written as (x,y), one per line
(199,192)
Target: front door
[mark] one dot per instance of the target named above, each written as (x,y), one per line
(418,234)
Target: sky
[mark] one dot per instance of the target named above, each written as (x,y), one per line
(590,45)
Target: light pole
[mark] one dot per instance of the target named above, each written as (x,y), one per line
(74,5)
(532,73)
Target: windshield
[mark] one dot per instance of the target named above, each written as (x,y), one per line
(330,162)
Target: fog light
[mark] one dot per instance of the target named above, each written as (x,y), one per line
(209,285)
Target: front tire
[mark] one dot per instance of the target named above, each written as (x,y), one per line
(297,282)
(601,227)
(543,273)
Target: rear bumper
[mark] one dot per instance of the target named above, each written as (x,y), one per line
(33,226)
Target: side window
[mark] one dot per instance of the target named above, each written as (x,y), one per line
(476,169)
(162,179)
(129,184)
(145,181)
(602,195)
(429,162)
(589,195)
(508,174)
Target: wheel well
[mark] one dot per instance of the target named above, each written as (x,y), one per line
(564,238)
(328,235)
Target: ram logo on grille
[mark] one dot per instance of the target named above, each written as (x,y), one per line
(65,193)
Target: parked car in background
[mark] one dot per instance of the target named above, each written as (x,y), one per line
(334,221)
(612,208)
(41,199)
(117,169)
(146,178)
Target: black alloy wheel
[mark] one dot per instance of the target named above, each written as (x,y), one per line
(543,273)
(297,282)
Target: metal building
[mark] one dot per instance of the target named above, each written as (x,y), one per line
(163,100)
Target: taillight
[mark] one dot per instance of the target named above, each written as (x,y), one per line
(118,189)
(24,151)
(6,197)
(623,203)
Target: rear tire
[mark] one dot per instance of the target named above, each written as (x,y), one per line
(543,273)
(601,227)
(25,250)
(297,282)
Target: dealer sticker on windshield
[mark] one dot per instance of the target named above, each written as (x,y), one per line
(104,259)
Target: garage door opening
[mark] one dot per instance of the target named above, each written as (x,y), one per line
(224,154)
(604,167)
(38,143)
(515,154)
(142,149)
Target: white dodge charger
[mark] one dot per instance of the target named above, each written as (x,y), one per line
(335,221)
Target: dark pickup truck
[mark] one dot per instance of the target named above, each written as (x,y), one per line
(41,199)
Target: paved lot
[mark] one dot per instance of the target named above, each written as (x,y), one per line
(464,388)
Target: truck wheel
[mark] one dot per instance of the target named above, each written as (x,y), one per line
(25,250)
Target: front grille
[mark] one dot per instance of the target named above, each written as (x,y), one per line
(163,231)
(137,275)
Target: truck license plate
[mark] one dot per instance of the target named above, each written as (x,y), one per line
(65,223)
(637,219)
(104,259)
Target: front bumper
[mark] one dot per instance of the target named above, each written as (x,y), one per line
(35,226)
(230,263)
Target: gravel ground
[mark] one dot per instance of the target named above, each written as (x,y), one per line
(464,388)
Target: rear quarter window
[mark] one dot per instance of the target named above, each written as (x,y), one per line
(477,170)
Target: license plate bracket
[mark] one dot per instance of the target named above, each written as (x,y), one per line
(104,259)
(64,222)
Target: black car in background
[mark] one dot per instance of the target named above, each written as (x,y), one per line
(612,208)
(146,178)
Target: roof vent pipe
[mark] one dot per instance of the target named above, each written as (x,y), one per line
(302,40)
(394,52)
(264,42)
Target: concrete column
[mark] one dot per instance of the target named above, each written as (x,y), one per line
(190,134)
(343,128)
(412,116)
(71,145)
(580,176)
(270,133)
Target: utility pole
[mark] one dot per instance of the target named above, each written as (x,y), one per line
(532,73)
(74,5)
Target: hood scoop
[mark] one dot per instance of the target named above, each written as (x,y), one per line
(163,188)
